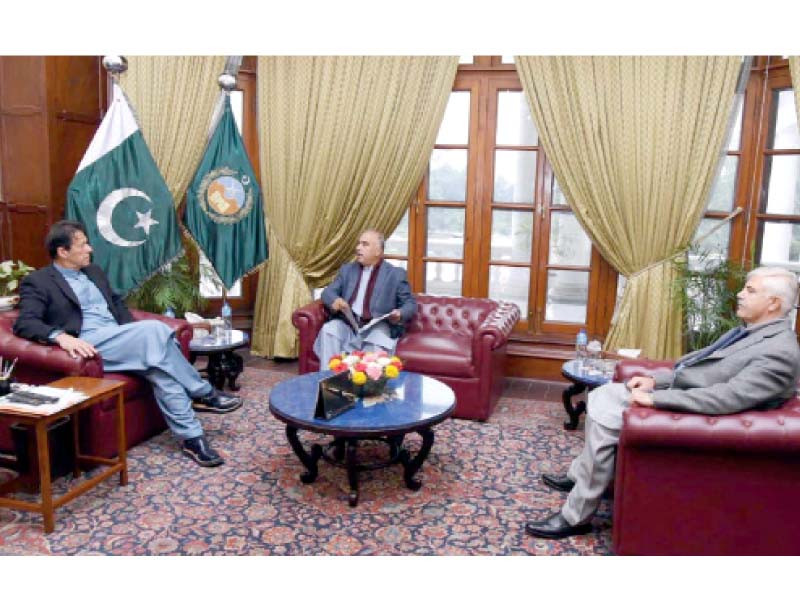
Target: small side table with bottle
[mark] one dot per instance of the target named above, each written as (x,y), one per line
(587,371)
(219,345)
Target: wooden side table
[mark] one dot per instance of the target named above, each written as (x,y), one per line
(96,391)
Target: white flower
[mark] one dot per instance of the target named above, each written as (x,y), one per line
(383,361)
(351,360)
(5,267)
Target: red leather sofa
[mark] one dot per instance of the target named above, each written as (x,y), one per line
(459,341)
(41,364)
(691,484)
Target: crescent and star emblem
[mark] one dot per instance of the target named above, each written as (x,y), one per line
(144,220)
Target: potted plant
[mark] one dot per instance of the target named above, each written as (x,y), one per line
(175,287)
(11,272)
(705,289)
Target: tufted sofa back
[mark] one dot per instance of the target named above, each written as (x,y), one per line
(444,314)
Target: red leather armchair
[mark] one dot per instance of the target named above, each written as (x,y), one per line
(40,364)
(692,484)
(459,341)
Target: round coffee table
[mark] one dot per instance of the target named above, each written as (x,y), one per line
(420,402)
(581,382)
(223,362)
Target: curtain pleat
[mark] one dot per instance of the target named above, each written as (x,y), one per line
(344,144)
(634,143)
(174,98)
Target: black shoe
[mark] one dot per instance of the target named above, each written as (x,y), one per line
(562,483)
(555,527)
(217,402)
(201,452)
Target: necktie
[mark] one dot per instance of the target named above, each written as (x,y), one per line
(728,339)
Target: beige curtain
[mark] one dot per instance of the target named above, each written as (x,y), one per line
(344,144)
(794,69)
(173,98)
(634,142)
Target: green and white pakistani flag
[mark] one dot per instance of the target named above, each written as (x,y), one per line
(120,196)
(224,211)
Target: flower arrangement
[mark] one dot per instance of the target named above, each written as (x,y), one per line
(10,274)
(367,367)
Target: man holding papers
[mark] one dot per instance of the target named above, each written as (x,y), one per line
(370,300)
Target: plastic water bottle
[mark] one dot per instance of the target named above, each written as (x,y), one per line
(227,321)
(580,349)
(169,312)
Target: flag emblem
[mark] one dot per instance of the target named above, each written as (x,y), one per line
(226,195)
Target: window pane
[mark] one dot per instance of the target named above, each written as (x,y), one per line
(448,175)
(507,59)
(466,59)
(237,103)
(510,284)
(445,233)
(455,123)
(398,263)
(443,279)
(569,244)
(512,232)
(557,197)
(736,133)
(211,285)
(780,245)
(714,248)
(724,189)
(567,292)
(783,131)
(514,175)
(398,241)
(514,124)
(783,177)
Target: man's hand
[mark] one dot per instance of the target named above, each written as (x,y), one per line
(395,315)
(75,346)
(645,384)
(641,398)
(339,304)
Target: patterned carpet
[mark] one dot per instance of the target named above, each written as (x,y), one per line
(480,484)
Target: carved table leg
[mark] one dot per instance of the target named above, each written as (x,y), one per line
(411,466)
(309,460)
(352,471)
(574,411)
(232,366)
(215,370)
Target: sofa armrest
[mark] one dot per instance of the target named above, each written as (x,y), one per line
(497,325)
(754,431)
(183,330)
(35,359)
(309,319)
(626,369)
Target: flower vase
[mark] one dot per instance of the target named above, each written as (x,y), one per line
(372,387)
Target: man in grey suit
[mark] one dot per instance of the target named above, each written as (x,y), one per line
(753,366)
(372,288)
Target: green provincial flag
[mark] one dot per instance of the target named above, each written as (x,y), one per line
(121,198)
(223,206)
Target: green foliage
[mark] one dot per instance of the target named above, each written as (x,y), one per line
(11,272)
(706,288)
(176,286)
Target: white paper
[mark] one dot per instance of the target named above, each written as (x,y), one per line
(66,397)
(629,352)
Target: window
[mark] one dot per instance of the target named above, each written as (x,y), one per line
(489,219)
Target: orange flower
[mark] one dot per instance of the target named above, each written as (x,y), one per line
(392,371)
(359,378)
(335,362)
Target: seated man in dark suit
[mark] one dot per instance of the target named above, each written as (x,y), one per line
(71,304)
(751,366)
(373,288)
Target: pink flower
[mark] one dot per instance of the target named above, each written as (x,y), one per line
(381,354)
(374,371)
